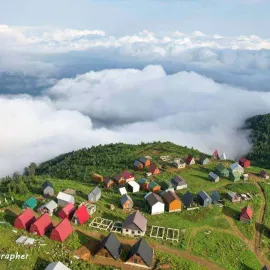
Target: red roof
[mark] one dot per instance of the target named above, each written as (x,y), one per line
(244,162)
(127,175)
(41,225)
(67,211)
(246,212)
(25,219)
(189,159)
(61,231)
(82,214)
(263,173)
(153,168)
(215,154)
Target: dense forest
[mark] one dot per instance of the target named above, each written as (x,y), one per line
(260,136)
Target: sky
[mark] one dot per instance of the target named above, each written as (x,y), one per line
(76,75)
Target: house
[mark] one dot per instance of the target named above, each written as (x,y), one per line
(223,157)
(213,177)
(70,191)
(81,215)
(67,211)
(137,165)
(190,160)
(154,203)
(110,247)
(133,186)
(204,160)
(188,199)
(94,195)
(63,199)
(215,155)
(215,197)
(56,266)
(126,202)
(245,176)
(123,178)
(47,189)
(97,178)
(154,169)
(167,186)
(144,184)
(122,190)
(148,174)
(246,214)
(135,224)
(145,161)
(264,174)
(108,182)
(25,219)
(178,183)
(221,170)
(154,187)
(245,163)
(30,203)
(236,167)
(172,201)
(235,176)
(41,225)
(140,254)
(179,163)
(233,197)
(61,231)
(48,208)
(204,199)
(91,208)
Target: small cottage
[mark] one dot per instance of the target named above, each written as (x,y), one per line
(204,199)
(137,165)
(30,203)
(154,187)
(123,178)
(221,170)
(145,161)
(233,197)
(167,186)
(235,176)
(213,177)
(133,187)
(122,190)
(67,211)
(61,231)
(108,182)
(64,199)
(57,266)
(190,160)
(94,195)
(80,216)
(245,163)
(178,183)
(25,219)
(215,197)
(91,208)
(188,199)
(204,160)
(144,184)
(140,254)
(172,201)
(264,174)
(48,208)
(154,203)
(154,169)
(47,189)
(41,225)
(97,178)
(215,155)
(246,214)
(223,157)
(179,163)
(135,225)
(110,247)
(235,167)
(126,202)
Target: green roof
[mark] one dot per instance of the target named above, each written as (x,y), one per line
(166,185)
(31,203)
(142,181)
(221,168)
(153,184)
(235,175)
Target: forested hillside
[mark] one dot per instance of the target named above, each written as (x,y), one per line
(108,159)
(260,136)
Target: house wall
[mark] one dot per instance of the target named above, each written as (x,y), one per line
(136,260)
(175,206)
(147,163)
(62,202)
(127,205)
(158,208)
(181,187)
(156,189)
(48,191)
(104,253)
(132,232)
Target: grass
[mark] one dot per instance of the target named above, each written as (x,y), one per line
(225,249)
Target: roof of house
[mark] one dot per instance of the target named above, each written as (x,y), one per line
(57,266)
(143,159)
(113,245)
(43,221)
(202,158)
(127,175)
(142,249)
(169,197)
(203,195)
(189,159)
(64,228)
(31,202)
(236,166)
(179,161)
(178,181)
(187,198)
(220,167)
(153,184)
(125,198)
(213,175)
(134,220)
(107,180)
(153,167)
(133,184)
(68,208)
(51,205)
(153,198)
(223,156)
(244,160)
(65,197)
(215,154)
(263,172)
(248,211)
(231,194)
(82,214)
(26,215)
(47,184)
(215,196)
(143,180)
(137,163)
(166,184)
(96,191)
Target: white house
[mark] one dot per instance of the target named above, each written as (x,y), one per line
(133,186)
(49,208)
(94,195)
(154,203)
(178,183)
(179,163)
(236,167)
(223,157)
(122,191)
(63,199)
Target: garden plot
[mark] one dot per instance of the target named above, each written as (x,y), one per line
(157,232)
(172,234)
(117,227)
(169,234)
(101,223)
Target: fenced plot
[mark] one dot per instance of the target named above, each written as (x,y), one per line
(101,223)
(169,234)
(157,232)
(117,227)
(172,234)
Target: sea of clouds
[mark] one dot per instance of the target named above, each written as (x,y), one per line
(191,89)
